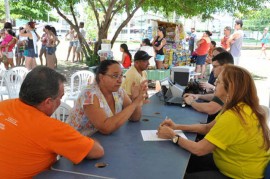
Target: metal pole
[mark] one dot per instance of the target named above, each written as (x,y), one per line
(7,11)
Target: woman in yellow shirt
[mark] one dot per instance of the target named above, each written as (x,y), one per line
(238,138)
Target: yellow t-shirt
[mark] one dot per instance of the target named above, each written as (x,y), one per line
(239,152)
(132,75)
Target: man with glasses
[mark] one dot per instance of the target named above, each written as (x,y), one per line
(236,40)
(215,103)
(136,74)
(29,138)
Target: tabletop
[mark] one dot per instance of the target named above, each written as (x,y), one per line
(128,156)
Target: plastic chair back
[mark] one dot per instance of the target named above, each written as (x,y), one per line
(62,112)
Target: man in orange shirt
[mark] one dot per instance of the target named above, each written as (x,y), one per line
(29,139)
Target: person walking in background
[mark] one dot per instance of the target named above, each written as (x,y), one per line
(201,51)
(6,46)
(148,48)
(72,45)
(191,40)
(50,47)
(43,47)
(82,34)
(158,43)
(57,42)
(236,40)
(30,52)
(227,33)
(126,57)
(20,48)
(264,41)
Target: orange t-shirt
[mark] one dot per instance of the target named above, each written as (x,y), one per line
(127,61)
(30,140)
(224,42)
(203,48)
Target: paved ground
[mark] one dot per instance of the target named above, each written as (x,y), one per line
(258,67)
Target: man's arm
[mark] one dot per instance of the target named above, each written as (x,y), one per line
(97,151)
(208,107)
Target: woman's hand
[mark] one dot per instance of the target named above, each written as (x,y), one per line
(139,92)
(165,132)
(169,123)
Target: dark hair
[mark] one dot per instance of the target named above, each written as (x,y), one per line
(208,33)
(21,28)
(9,31)
(53,31)
(147,42)
(219,49)
(228,28)
(31,24)
(103,68)
(239,21)
(48,27)
(224,58)
(39,84)
(163,30)
(125,48)
(213,43)
(82,24)
(8,26)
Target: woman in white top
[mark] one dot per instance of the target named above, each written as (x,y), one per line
(148,48)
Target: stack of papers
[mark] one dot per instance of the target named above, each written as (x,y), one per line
(151,135)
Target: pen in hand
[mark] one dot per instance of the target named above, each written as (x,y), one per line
(164,120)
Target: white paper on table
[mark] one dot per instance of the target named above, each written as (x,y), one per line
(151,135)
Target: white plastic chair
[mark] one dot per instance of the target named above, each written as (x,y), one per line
(62,112)
(13,82)
(22,71)
(3,88)
(79,80)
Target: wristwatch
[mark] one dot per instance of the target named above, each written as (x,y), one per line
(175,139)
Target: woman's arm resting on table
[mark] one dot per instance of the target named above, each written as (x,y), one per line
(200,148)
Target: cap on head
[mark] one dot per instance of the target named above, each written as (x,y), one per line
(141,55)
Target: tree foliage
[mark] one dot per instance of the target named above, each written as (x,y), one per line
(30,10)
(257,20)
(189,8)
(105,10)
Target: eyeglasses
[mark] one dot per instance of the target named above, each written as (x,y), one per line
(116,77)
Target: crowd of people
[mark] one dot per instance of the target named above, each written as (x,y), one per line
(26,42)
(234,143)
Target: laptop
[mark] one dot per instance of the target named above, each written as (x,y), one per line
(171,96)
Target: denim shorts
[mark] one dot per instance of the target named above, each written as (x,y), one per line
(160,57)
(50,50)
(72,44)
(200,60)
(30,53)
